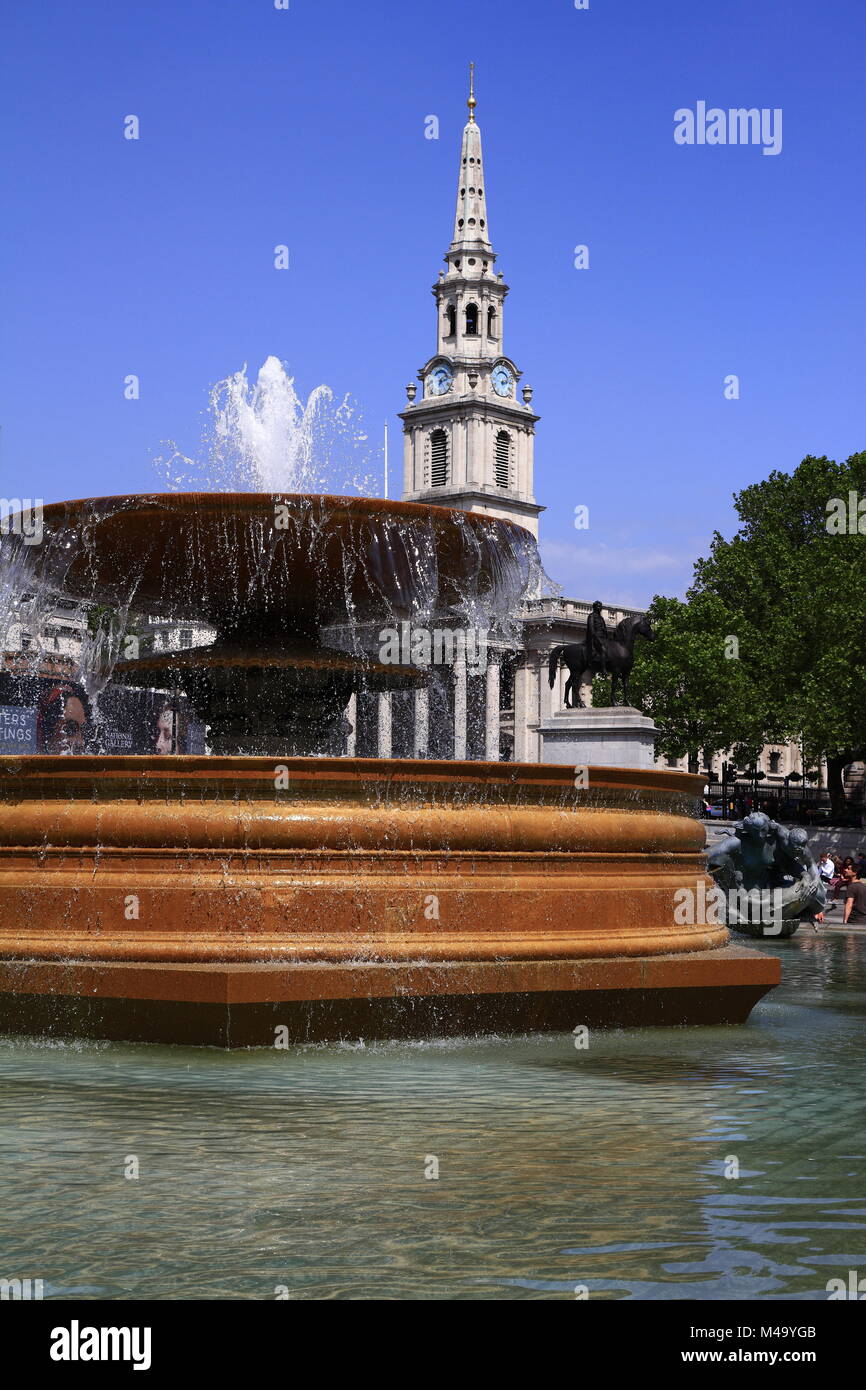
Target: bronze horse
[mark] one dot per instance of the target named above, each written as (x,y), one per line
(619,656)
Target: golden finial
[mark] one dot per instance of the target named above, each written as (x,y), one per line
(471,103)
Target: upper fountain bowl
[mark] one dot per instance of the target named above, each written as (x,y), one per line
(257,565)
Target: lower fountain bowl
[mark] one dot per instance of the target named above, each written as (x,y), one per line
(241,900)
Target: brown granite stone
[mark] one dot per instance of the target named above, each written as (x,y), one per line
(312,906)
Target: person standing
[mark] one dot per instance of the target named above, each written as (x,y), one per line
(855,903)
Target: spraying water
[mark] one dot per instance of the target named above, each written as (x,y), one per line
(264,437)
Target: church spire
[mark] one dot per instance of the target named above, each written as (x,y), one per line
(470,218)
(469,437)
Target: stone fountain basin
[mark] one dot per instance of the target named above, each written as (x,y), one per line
(261,565)
(354,859)
(187,899)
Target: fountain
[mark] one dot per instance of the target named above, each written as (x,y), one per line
(278,884)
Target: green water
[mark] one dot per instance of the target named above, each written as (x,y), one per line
(557,1167)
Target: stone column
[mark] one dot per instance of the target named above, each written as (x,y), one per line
(491,712)
(521,714)
(384,731)
(533,711)
(460,710)
(422,723)
(352,736)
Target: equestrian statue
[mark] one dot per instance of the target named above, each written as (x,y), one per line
(599,655)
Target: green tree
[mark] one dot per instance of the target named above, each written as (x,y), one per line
(769,644)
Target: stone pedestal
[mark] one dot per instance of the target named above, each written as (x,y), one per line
(615,737)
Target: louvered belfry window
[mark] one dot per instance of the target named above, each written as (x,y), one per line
(438,458)
(503,459)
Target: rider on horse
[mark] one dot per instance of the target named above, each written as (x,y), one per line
(596,637)
(599,655)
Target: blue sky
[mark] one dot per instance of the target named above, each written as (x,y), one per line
(306,127)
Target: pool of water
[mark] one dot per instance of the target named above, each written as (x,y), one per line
(303,1173)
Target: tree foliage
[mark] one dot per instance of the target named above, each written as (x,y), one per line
(769,644)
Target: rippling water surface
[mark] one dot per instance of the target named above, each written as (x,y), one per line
(557,1167)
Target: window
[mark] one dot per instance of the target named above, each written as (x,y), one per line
(775,762)
(491,322)
(438,458)
(503,459)
(471,320)
(450,321)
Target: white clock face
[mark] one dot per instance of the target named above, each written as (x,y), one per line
(440,380)
(503,381)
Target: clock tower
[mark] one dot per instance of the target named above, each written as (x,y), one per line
(470,434)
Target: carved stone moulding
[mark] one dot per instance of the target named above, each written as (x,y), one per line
(225,890)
